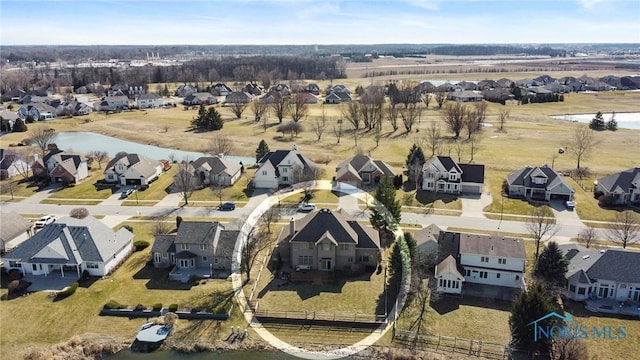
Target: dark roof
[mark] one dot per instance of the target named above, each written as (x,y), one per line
(449,163)
(472,173)
(492,245)
(337,225)
(448,244)
(622,180)
(616,265)
(226,243)
(163,243)
(196,232)
(275,157)
(523,177)
(7,157)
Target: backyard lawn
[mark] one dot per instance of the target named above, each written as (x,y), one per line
(84,189)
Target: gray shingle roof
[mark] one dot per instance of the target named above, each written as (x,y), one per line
(197,232)
(12,225)
(492,245)
(616,265)
(621,181)
(523,177)
(216,165)
(72,241)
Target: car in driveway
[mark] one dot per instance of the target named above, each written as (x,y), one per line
(570,205)
(125,194)
(45,220)
(228,206)
(308,207)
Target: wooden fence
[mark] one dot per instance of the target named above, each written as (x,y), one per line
(478,348)
(320,316)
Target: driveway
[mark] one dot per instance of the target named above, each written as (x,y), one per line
(564,216)
(473,204)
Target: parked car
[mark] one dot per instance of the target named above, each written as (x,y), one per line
(228,206)
(570,205)
(125,194)
(308,207)
(45,220)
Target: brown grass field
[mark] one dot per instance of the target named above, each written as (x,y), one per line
(531,137)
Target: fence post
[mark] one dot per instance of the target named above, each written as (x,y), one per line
(471,347)
(455,343)
(438,345)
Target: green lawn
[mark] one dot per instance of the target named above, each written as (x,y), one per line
(39,321)
(158,189)
(237,193)
(429,199)
(84,190)
(17,187)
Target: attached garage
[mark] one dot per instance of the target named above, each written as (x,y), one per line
(472,188)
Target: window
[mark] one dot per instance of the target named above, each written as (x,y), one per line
(264,172)
(497,275)
(215,260)
(184,246)
(14,264)
(430,175)
(203,246)
(34,267)
(448,283)
(502,261)
(204,259)
(468,273)
(441,281)
(517,277)
(344,247)
(484,259)
(350,259)
(581,291)
(572,288)
(305,260)
(285,178)
(284,170)
(483,274)
(92,265)
(326,246)
(364,258)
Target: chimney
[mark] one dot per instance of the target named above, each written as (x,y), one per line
(292,226)
(294,147)
(221,155)
(369,153)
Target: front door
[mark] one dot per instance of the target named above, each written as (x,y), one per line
(603,292)
(325,264)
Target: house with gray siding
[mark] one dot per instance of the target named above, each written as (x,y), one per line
(328,240)
(539,183)
(621,188)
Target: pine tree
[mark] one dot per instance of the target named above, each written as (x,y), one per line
(597,123)
(528,307)
(612,124)
(411,244)
(262,150)
(214,119)
(385,214)
(551,266)
(415,155)
(19,126)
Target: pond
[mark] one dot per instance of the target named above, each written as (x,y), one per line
(627,120)
(85,142)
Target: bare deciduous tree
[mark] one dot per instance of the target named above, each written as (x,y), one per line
(459,149)
(625,229)
(319,125)
(503,116)
(98,156)
(392,116)
(474,144)
(568,348)
(371,105)
(292,127)
(220,145)
(588,236)
(237,108)
(256,242)
(161,225)
(24,157)
(454,114)
(434,138)
(441,98)
(409,115)
(184,181)
(426,99)
(42,137)
(337,130)
(298,107)
(351,113)
(270,216)
(541,225)
(259,109)
(280,105)
(581,143)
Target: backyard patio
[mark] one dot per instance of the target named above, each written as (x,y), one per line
(608,306)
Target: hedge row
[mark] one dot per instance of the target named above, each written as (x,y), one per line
(68,291)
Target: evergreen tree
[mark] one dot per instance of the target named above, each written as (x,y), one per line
(214,119)
(528,307)
(551,266)
(262,150)
(597,123)
(19,126)
(415,154)
(612,124)
(207,119)
(385,214)
(411,244)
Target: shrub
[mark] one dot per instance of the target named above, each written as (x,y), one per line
(143,187)
(157,307)
(112,304)
(141,245)
(79,213)
(68,291)
(173,307)
(15,274)
(128,227)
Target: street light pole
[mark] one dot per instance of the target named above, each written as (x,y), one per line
(501,210)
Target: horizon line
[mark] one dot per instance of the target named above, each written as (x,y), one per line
(342,44)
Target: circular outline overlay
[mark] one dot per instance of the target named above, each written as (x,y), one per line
(250,222)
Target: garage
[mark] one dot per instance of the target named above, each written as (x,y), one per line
(472,188)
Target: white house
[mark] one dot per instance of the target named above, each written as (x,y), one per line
(149,100)
(282,168)
(70,246)
(442,174)
(11,164)
(605,274)
(132,169)
(482,259)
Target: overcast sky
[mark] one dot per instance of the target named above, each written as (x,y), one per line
(141,22)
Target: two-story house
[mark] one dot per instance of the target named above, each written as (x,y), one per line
(282,168)
(210,170)
(363,170)
(112,103)
(494,260)
(149,101)
(604,274)
(539,183)
(443,174)
(132,169)
(38,111)
(622,188)
(61,166)
(198,247)
(12,164)
(328,240)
